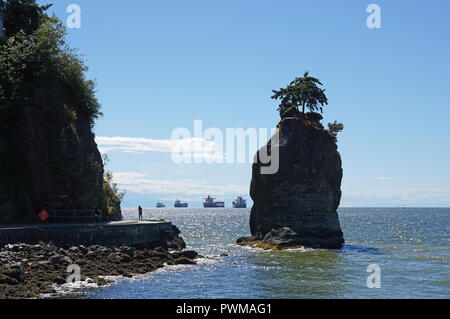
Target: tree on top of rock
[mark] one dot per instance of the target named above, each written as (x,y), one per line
(303,92)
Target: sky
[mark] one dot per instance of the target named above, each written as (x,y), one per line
(161,65)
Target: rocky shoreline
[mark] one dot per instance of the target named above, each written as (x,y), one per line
(31,271)
(286,238)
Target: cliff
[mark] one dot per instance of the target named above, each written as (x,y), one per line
(48,156)
(50,165)
(297,205)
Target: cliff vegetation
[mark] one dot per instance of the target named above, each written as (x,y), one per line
(48,156)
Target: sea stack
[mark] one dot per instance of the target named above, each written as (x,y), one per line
(297,206)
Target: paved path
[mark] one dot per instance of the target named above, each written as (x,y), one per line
(56,225)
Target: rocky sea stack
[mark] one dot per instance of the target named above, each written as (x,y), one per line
(297,205)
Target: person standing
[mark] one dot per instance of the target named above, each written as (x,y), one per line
(140,212)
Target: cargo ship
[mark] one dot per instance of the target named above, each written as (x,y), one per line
(240,202)
(210,203)
(179,204)
(160,205)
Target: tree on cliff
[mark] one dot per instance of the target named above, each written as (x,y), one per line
(21,15)
(303,92)
(334,128)
(34,55)
(48,156)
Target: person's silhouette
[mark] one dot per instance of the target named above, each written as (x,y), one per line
(140,212)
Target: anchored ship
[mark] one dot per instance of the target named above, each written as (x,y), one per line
(240,202)
(160,205)
(209,202)
(180,204)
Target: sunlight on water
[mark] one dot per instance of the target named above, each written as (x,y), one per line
(410,245)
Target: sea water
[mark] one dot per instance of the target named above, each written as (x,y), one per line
(411,247)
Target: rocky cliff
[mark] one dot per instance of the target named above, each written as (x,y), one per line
(51,165)
(297,205)
(48,156)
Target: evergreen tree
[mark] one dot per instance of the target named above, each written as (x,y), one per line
(303,92)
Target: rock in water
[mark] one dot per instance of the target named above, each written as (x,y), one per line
(297,205)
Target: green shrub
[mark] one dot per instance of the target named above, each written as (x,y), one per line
(112,196)
(334,128)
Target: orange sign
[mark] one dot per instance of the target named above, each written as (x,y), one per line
(44,215)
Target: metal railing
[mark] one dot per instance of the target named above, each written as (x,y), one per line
(75,215)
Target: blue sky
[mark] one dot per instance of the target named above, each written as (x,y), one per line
(160,65)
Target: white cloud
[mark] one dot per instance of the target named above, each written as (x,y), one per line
(431,196)
(141,145)
(141,184)
(189,189)
(195,148)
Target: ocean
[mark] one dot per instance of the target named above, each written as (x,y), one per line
(411,247)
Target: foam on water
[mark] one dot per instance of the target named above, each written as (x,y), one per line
(79,287)
(71,289)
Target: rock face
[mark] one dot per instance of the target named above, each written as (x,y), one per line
(297,205)
(54,166)
(48,155)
